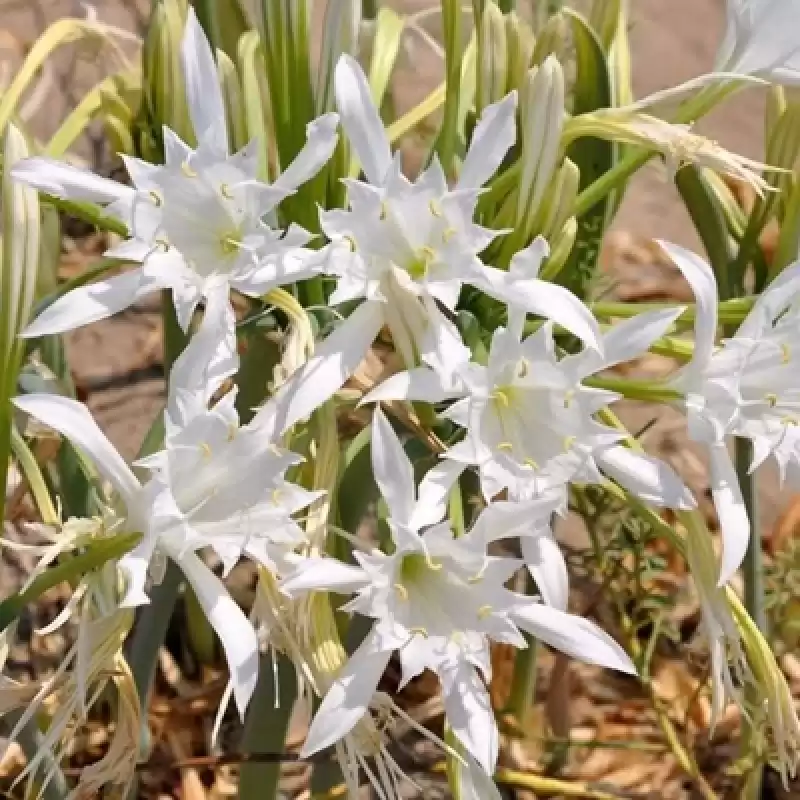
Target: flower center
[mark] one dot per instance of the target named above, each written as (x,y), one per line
(418,267)
(230,242)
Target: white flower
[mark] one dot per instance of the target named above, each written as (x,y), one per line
(198,219)
(404,246)
(437,600)
(529,420)
(215,485)
(749,387)
(761,39)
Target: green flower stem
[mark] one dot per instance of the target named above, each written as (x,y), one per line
(448,135)
(648,391)
(88,212)
(730,311)
(265,728)
(753,573)
(522,695)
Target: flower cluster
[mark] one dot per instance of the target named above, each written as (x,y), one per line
(528,414)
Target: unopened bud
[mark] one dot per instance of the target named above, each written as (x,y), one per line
(492,57)
(520,41)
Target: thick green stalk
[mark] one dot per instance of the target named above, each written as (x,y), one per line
(265,728)
(753,573)
(448,135)
(523,683)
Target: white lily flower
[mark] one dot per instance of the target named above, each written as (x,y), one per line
(215,485)
(529,420)
(199,219)
(761,39)
(402,245)
(437,600)
(748,387)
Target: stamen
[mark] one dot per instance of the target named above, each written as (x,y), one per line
(226,192)
(531,463)
(435,566)
(523,368)
(505,447)
(484,611)
(162,244)
(351,243)
(448,234)
(206,448)
(569,441)
(156,198)
(232,431)
(569,396)
(277,494)
(187,170)
(786,353)
(401,590)
(771,399)
(501,396)
(435,208)
(384,211)
(790,420)
(423,632)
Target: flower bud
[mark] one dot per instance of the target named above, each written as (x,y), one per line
(492,58)
(520,41)
(340,30)
(235,112)
(542,119)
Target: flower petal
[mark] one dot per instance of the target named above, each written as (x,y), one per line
(625,341)
(548,568)
(734,523)
(493,137)
(433,493)
(335,360)
(203,92)
(348,699)
(324,574)
(321,139)
(62,180)
(361,121)
(420,384)
(775,298)
(73,420)
(393,471)
(700,277)
(91,303)
(236,633)
(469,712)
(649,478)
(573,635)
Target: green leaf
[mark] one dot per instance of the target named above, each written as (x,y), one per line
(95,555)
(709,222)
(594,157)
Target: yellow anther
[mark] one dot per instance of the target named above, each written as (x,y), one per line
(427,253)
(501,396)
(786,353)
(531,463)
(156,198)
(435,208)
(401,590)
(484,612)
(351,243)
(771,399)
(186,169)
(569,441)
(423,632)
(232,431)
(790,420)
(476,578)
(457,637)
(448,234)
(162,244)
(384,211)
(206,448)
(226,192)
(569,396)
(277,495)
(524,368)
(505,447)
(435,566)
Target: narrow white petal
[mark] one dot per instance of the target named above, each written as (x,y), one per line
(321,138)
(335,360)
(348,699)
(203,92)
(470,714)
(420,384)
(734,523)
(648,477)
(90,303)
(210,357)
(324,574)
(493,137)
(700,277)
(361,121)
(625,341)
(543,298)
(73,420)
(433,493)
(573,635)
(62,180)
(236,633)
(392,469)
(548,568)
(777,296)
